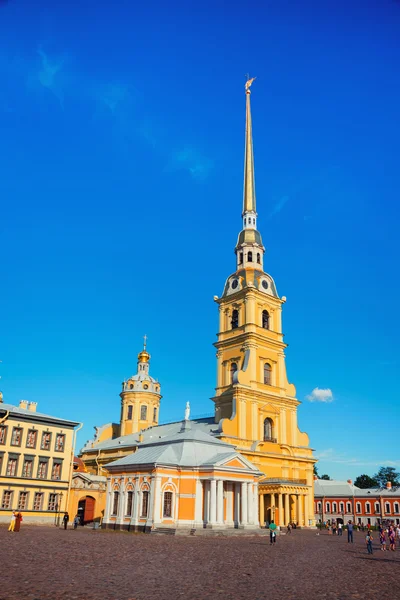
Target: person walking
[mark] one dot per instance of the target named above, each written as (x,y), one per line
(272,533)
(65,520)
(349,532)
(382,538)
(340,529)
(368,539)
(18,520)
(12,522)
(289,528)
(392,538)
(76,521)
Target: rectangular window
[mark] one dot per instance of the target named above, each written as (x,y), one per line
(56,470)
(16,436)
(115,503)
(155,413)
(130,409)
(7,499)
(1,463)
(143,412)
(42,470)
(168,504)
(60,442)
(3,434)
(12,467)
(38,501)
(52,502)
(145,504)
(46,440)
(27,469)
(31,438)
(129,503)
(22,501)
(349,507)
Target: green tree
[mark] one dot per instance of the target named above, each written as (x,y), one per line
(316,470)
(326,477)
(386,474)
(365,481)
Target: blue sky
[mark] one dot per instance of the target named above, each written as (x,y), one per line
(121,187)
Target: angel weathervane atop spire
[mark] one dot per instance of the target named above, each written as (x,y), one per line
(248,83)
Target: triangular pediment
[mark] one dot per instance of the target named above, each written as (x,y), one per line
(237,461)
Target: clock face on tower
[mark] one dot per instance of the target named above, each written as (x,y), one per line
(234,284)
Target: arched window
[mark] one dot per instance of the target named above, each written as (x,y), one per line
(145,504)
(267,374)
(258,258)
(396,507)
(250,257)
(265,319)
(334,507)
(155,413)
(240,258)
(387,508)
(348,509)
(235,319)
(115,503)
(233,370)
(131,386)
(129,415)
(327,507)
(367,507)
(319,506)
(167,512)
(377,507)
(143,412)
(268,429)
(341,506)
(129,503)
(358,507)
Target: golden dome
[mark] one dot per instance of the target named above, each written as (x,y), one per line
(143,356)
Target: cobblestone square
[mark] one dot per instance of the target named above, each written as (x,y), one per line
(43,563)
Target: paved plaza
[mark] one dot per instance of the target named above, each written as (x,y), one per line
(41,563)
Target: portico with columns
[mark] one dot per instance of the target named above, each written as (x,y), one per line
(284,502)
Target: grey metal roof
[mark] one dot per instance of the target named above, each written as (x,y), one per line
(346,489)
(206,425)
(187,448)
(33,415)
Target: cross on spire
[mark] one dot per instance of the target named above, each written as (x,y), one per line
(144,341)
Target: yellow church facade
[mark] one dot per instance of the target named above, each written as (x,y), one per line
(255,415)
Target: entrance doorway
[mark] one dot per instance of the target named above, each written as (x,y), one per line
(86,509)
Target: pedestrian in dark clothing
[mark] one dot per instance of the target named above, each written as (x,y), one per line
(350,532)
(65,520)
(368,539)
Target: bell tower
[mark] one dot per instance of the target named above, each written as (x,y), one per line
(140,397)
(254,400)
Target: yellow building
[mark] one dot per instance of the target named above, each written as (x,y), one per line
(87,498)
(255,411)
(36,457)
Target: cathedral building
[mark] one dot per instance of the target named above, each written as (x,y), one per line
(248,465)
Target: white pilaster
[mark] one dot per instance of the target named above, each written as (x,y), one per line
(229,505)
(237,502)
(150,510)
(198,508)
(256,514)
(250,501)
(157,517)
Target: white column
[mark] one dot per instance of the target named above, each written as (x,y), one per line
(135,506)
(243,498)
(256,515)
(250,503)
(198,506)
(157,518)
(229,505)
(237,502)
(206,486)
(150,511)
(213,502)
(220,502)
(109,499)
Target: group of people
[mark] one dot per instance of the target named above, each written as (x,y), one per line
(386,533)
(76,521)
(390,533)
(15,523)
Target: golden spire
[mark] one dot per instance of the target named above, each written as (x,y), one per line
(249,190)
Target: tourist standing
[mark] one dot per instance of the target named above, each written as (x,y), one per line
(392,538)
(18,519)
(65,520)
(289,529)
(349,532)
(12,522)
(368,539)
(272,533)
(382,538)
(76,521)
(340,529)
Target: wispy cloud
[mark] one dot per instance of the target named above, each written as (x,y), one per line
(279,205)
(320,395)
(191,160)
(330,455)
(48,74)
